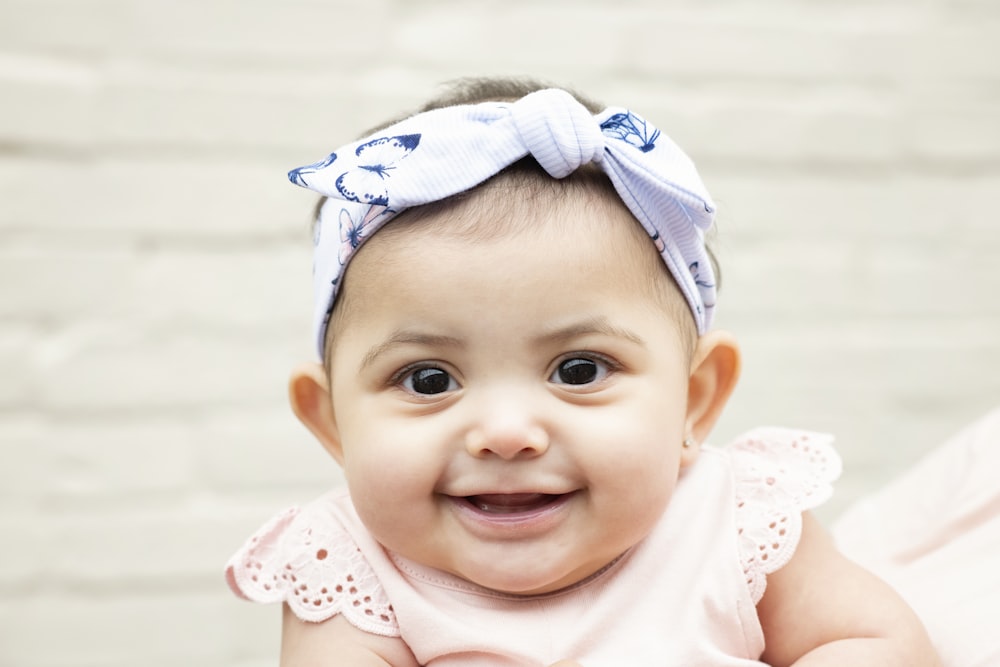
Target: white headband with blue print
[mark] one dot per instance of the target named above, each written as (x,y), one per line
(440,153)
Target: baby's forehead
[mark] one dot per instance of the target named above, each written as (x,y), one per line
(570,218)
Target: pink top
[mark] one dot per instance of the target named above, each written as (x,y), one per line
(686,593)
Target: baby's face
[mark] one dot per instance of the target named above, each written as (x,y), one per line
(510,411)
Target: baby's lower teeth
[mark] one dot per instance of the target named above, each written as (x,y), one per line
(497,509)
(491,508)
(512,504)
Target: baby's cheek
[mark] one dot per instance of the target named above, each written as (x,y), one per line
(397,511)
(375,494)
(640,486)
(370,473)
(385,479)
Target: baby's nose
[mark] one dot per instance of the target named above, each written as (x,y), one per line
(508,433)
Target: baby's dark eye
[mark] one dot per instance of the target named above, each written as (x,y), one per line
(428,381)
(579,371)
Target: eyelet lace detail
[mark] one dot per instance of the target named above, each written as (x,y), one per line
(779,473)
(305,558)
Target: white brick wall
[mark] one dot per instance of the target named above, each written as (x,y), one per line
(154,262)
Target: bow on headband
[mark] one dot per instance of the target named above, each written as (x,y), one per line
(443,152)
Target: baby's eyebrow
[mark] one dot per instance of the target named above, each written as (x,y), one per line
(406,337)
(600,326)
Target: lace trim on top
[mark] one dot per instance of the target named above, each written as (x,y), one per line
(779,473)
(303,557)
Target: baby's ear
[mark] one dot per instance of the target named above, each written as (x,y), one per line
(715,368)
(309,395)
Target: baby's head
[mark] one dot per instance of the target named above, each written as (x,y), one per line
(511,368)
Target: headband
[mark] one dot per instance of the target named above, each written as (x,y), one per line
(440,153)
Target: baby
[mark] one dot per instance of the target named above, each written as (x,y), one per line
(513,311)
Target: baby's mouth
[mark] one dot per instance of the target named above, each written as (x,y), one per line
(511,503)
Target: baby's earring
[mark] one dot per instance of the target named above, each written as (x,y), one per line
(689,443)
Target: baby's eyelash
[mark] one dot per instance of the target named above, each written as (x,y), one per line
(424,379)
(583,370)
(610,362)
(397,378)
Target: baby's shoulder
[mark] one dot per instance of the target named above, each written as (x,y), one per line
(777,474)
(308,557)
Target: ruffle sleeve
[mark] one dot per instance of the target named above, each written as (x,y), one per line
(778,474)
(306,558)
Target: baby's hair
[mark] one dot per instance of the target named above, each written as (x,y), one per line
(531,183)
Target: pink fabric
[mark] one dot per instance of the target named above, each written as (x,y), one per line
(934,534)
(687,592)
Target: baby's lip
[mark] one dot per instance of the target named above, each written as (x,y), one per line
(521,515)
(511,503)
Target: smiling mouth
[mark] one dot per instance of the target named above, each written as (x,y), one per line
(512,503)
(513,516)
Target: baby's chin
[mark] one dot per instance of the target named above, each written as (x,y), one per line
(530,582)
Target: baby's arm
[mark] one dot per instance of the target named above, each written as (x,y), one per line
(822,609)
(337,642)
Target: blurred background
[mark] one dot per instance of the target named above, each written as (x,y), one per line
(154,261)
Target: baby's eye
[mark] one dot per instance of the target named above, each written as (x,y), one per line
(428,381)
(580,371)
